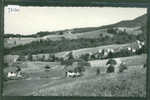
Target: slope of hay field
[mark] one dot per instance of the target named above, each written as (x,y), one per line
(94,34)
(12,42)
(128,84)
(129,61)
(54,83)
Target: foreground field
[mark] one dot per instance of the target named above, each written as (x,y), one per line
(132,82)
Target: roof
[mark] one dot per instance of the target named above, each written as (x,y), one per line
(10,69)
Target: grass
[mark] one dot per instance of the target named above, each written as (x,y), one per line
(128,84)
(131,83)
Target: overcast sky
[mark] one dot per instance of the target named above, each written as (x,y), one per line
(29,20)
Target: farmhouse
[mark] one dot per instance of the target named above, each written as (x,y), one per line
(72,74)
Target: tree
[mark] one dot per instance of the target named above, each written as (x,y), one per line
(122,67)
(21,58)
(70,56)
(51,57)
(85,57)
(110,55)
(110,69)
(97,71)
(30,58)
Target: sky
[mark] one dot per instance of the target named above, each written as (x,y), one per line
(30,20)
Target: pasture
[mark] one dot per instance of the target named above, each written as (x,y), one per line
(54,83)
(12,42)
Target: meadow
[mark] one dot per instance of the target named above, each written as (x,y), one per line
(132,82)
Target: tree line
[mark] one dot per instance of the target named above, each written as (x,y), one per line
(49,46)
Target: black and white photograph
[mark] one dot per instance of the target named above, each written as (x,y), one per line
(75,51)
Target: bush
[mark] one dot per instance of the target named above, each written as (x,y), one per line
(5,65)
(110,69)
(51,58)
(122,67)
(79,69)
(30,58)
(82,65)
(47,68)
(85,57)
(21,58)
(66,62)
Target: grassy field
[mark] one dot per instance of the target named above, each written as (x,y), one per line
(130,83)
(87,35)
(54,83)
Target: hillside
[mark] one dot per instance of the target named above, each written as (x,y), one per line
(52,83)
(135,29)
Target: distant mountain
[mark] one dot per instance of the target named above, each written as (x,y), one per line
(139,21)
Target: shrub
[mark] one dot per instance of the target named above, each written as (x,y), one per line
(110,69)
(21,58)
(66,62)
(122,67)
(98,71)
(85,57)
(30,58)
(83,63)
(79,69)
(47,68)
(52,57)
(6,65)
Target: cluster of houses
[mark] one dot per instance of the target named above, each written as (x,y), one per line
(106,53)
